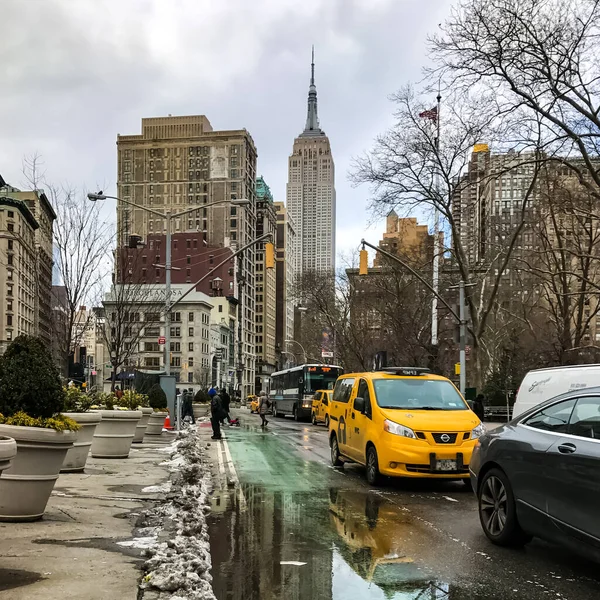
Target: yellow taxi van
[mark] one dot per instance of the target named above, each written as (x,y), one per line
(402,422)
(320,407)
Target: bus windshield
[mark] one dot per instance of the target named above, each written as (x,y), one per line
(320,378)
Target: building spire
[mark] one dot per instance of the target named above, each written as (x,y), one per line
(312,118)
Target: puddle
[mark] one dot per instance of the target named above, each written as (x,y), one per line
(14,578)
(336,545)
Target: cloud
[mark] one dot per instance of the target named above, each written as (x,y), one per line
(74,74)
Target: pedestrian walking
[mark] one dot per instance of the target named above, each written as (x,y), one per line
(478,406)
(225,399)
(188,408)
(263,407)
(216,413)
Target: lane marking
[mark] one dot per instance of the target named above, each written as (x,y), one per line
(234,476)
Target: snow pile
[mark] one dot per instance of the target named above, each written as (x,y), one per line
(179,566)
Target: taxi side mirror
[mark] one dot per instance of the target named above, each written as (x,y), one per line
(359,404)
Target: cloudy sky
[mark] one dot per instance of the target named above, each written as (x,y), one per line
(77,72)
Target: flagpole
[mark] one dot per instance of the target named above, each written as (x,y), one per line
(436,238)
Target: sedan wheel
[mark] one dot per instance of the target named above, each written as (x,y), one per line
(497,511)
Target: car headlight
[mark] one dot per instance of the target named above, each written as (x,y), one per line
(398,429)
(478,431)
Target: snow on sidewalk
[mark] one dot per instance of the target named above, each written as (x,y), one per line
(178,567)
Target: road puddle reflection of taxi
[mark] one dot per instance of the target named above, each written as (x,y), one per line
(371,551)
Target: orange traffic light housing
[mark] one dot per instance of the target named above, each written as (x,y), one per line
(363,268)
(269,255)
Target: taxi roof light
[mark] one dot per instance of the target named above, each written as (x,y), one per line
(406,371)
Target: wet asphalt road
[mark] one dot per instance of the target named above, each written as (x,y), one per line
(297,529)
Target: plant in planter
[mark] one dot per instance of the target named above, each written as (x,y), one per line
(31,398)
(117,429)
(158,402)
(77,407)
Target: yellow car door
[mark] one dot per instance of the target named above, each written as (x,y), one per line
(360,420)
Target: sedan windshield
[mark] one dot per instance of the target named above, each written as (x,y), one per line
(418,394)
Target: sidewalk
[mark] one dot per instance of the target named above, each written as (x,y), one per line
(82,549)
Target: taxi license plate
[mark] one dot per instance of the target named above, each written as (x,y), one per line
(446,465)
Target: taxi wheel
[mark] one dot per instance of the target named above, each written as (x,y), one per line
(373,475)
(327,421)
(336,460)
(314,419)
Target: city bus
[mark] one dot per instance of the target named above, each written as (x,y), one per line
(292,390)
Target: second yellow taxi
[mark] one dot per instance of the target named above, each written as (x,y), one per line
(402,422)
(320,407)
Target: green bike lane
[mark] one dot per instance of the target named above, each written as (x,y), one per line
(294,528)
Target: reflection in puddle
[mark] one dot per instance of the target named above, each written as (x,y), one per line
(354,545)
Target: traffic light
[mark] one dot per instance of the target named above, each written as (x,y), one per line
(269,255)
(363,268)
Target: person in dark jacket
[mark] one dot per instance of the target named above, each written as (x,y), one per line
(225,399)
(216,413)
(187,408)
(478,407)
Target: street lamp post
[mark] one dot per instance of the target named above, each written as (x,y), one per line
(301,346)
(168,216)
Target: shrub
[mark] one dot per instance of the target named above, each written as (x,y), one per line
(132,400)
(29,380)
(202,396)
(157,398)
(58,422)
(76,400)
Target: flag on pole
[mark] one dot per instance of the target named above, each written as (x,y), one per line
(432,114)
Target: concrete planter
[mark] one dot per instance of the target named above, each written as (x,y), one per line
(200,410)
(26,486)
(115,432)
(77,456)
(156,423)
(140,430)
(8,450)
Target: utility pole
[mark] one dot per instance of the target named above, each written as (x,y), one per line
(168,297)
(436,236)
(463,336)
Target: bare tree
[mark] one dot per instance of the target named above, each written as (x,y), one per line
(132,311)
(410,171)
(539,57)
(82,243)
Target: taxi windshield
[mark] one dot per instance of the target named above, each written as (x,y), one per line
(417,394)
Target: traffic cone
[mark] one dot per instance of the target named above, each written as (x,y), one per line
(167,424)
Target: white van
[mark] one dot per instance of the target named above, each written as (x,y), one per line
(542,384)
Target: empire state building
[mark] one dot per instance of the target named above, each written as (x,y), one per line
(311,191)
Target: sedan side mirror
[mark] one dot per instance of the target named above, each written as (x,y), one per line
(359,404)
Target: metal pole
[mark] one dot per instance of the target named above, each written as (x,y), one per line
(168,298)
(463,336)
(436,238)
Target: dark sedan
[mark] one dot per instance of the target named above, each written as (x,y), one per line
(539,475)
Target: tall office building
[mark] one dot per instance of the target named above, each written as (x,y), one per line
(180,162)
(266,290)
(311,191)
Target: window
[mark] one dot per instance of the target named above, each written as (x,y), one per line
(11,214)
(9,320)
(191,332)
(10,227)
(363,392)
(585,419)
(176,361)
(175,346)
(175,331)
(191,317)
(190,346)
(176,317)
(151,347)
(152,361)
(343,389)
(190,378)
(191,361)
(553,418)
(10,244)
(220,308)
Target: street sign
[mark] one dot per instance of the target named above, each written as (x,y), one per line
(162,340)
(457,368)
(326,354)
